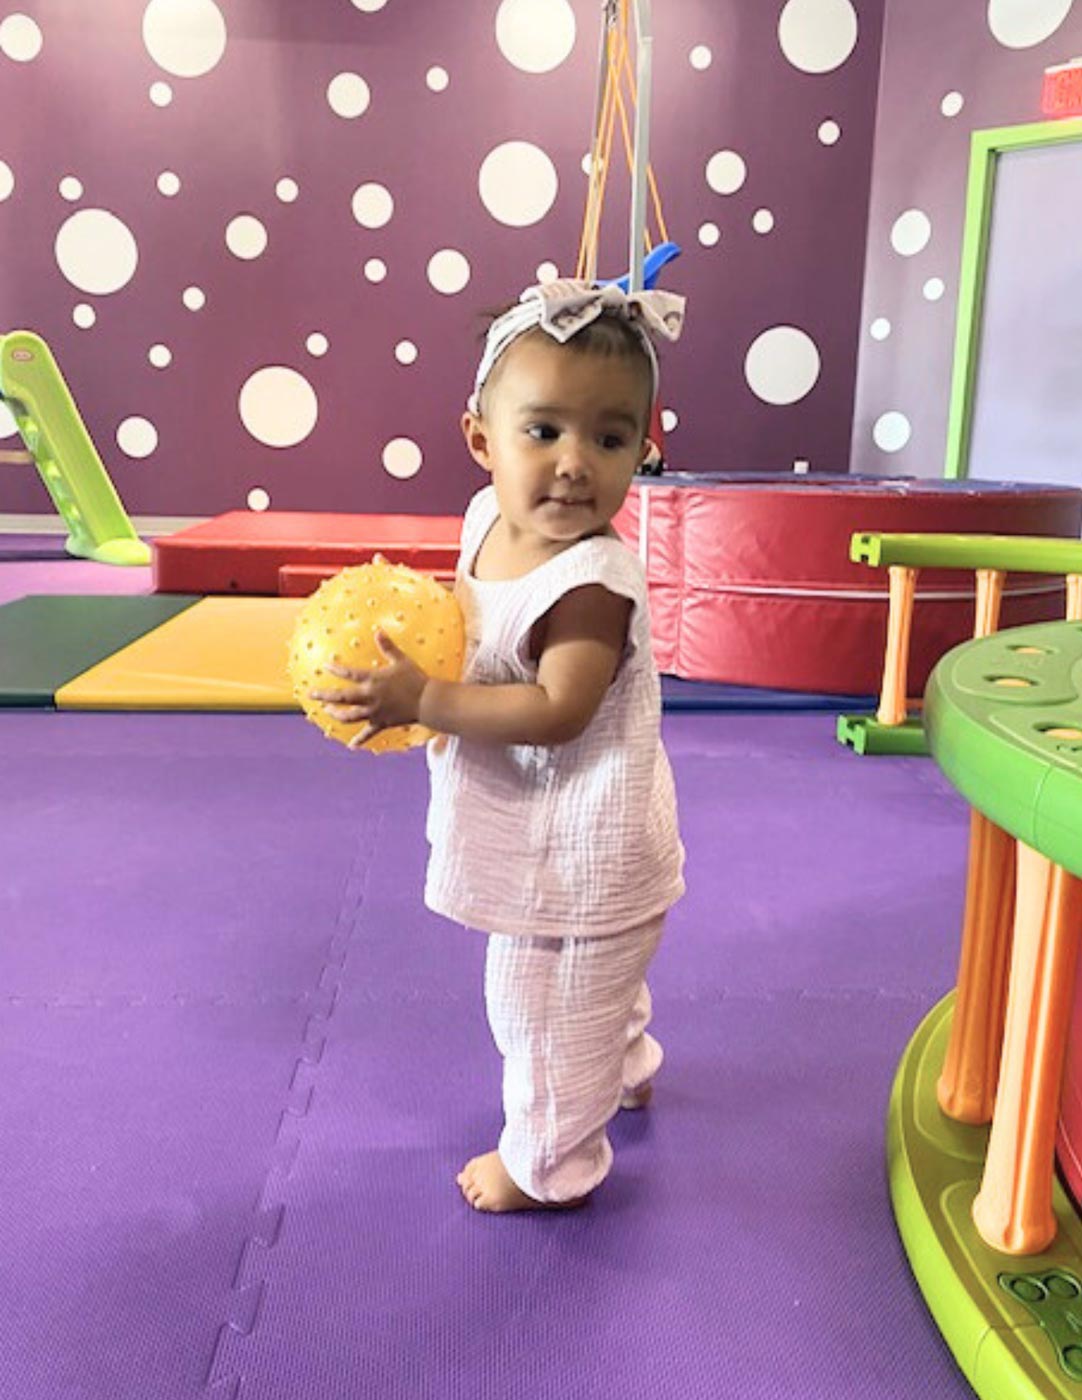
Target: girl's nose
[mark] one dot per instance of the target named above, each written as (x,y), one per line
(574,460)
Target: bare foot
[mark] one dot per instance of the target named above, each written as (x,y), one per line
(637,1098)
(486,1186)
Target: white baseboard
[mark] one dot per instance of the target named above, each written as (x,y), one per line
(53,525)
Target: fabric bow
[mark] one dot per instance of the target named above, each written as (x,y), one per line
(564,306)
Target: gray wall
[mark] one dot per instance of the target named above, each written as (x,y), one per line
(80,107)
(993,56)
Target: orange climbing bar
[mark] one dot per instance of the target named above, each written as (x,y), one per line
(892,698)
(1013,1209)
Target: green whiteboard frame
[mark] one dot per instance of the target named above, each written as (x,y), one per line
(985,149)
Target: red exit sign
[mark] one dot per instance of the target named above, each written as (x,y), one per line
(1061,94)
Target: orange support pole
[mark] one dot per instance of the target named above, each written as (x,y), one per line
(892,698)
(1074,597)
(1013,1209)
(989,598)
(967,1085)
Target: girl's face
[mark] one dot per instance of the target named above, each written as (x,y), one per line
(562,434)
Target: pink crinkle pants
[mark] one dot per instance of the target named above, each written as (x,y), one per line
(569,1017)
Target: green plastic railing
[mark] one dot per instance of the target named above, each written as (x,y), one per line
(1024,554)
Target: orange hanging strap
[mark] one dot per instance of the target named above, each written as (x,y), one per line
(655,197)
(599,167)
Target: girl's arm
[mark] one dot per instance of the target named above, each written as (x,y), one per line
(581,641)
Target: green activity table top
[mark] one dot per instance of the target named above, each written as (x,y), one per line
(1003,716)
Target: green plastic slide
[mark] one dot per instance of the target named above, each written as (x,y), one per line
(57,439)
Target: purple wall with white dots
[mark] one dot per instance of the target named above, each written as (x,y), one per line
(947,70)
(257,233)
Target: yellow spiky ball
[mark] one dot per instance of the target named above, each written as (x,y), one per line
(339,622)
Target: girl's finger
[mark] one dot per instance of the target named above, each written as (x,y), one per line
(363,735)
(391,650)
(345,673)
(346,714)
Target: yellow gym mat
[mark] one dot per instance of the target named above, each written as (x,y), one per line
(219,654)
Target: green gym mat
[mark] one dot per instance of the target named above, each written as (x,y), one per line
(1014,1323)
(46,641)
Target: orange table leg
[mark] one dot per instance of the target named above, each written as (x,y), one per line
(903,583)
(1074,598)
(967,1085)
(1013,1209)
(989,597)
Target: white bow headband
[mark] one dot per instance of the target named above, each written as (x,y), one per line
(563,307)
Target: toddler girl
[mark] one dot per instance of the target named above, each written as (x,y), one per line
(552,819)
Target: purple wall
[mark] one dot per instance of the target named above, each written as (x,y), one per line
(991,56)
(80,107)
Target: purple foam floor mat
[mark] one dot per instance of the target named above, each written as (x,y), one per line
(40,564)
(243,1065)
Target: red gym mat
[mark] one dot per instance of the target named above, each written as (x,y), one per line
(242,551)
(751,582)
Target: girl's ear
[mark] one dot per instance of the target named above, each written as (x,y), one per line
(475,431)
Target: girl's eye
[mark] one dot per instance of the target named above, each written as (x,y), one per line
(611,442)
(542,432)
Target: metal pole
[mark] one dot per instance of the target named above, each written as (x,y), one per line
(644,54)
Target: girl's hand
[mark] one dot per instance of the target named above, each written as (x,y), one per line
(383,698)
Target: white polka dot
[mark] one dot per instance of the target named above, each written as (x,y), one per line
(375,269)
(437,79)
(70,189)
(278,406)
(587,162)
(762,221)
(96,252)
(348,95)
(369,6)
(910,232)
(547,272)
(8,425)
(402,458)
(287,190)
(161,94)
(1019,24)
(933,289)
(817,36)
(535,35)
(83,315)
(405,352)
(700,57)
(185,37)
(448,271)
(20,38)
(258,499)
(160,356)
(245,237)
(317,344)
(669,419)
(168,184)
(372,205)
(782,365)
(194,298)
(517,183)
(828,132)
(952,104)
(725,172)
(137,437)
(880,328)
(891,431)
(709,234)
(7,180)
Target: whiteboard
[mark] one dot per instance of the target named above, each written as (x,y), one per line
(1027,406)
